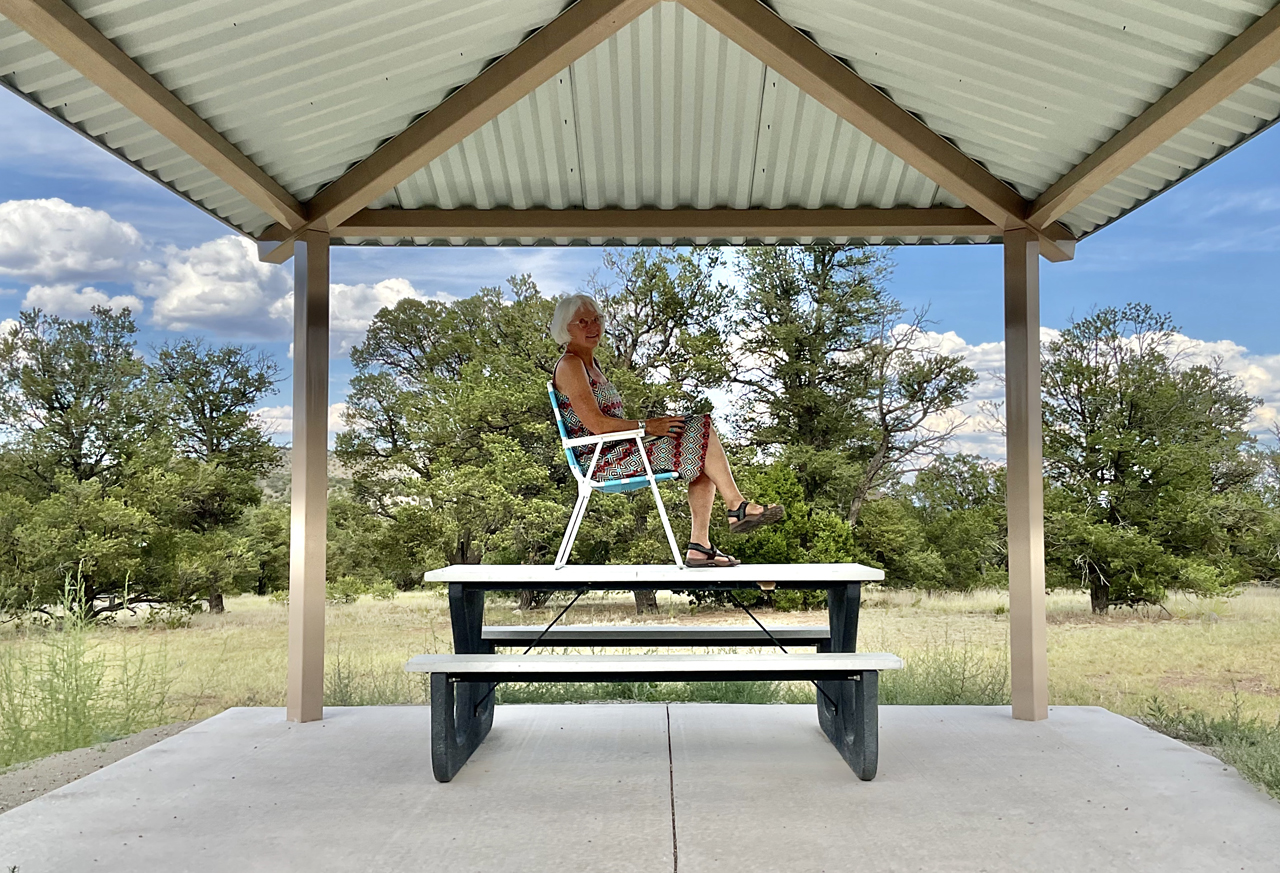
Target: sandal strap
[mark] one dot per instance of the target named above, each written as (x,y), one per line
(738,514)
(712,552)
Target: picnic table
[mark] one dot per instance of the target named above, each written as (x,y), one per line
(463,686)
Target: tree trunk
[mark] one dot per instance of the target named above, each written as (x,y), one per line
(215,603)
(646,602)
(1099,596)
(532,599)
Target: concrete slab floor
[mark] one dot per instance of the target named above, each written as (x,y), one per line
(960,788)
(552,788)
(590,788)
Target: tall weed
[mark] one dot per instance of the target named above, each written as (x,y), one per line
(351,682)
(946,674)
(61,691)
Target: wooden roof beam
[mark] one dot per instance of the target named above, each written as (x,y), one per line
(1241,61)
(760,31)
(658,223)
(572,34)
(65,33)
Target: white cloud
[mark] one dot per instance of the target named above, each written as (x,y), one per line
(219,286)
(352,308)
(980,434)
(71,301)
(278,420)
(54,241)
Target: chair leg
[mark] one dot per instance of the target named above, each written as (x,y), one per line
(571,530)
(666,523)
(577,525)
(662,509)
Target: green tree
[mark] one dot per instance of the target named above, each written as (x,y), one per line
(838,377)
(959,502)
(449,436)
(667,320)
(129,476)
(1151,456)
(73,399)
(221,451)
(213,392)
(434,384)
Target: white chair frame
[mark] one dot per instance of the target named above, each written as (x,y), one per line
(587,484)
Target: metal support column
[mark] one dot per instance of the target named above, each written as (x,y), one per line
(307,532)
(1028,654)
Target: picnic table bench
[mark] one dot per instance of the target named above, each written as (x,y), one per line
(462,684)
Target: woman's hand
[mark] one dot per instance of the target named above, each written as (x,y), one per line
(665,425)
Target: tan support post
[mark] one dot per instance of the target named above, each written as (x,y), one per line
(305,698)
(1028,652)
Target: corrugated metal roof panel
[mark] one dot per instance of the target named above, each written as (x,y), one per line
(667,113)
(305,88)
(1031,89)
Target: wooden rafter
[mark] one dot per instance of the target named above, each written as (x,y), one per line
(65,33)
(759,31)
(1240,62)
(576,31)
(664,223)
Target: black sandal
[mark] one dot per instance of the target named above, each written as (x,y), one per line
(740,522)
(710,561)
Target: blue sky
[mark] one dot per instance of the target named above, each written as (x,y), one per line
(1208,252)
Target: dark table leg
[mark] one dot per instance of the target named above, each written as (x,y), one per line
(847,709)
(461,712)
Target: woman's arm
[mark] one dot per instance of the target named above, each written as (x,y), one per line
(573,381)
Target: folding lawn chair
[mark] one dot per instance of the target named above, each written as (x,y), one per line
(587,484)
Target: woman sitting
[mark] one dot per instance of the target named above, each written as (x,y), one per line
(688,444)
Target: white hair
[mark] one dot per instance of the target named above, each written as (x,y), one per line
(566,309)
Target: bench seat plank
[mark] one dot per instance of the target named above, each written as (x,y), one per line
(655,635)
(651,668)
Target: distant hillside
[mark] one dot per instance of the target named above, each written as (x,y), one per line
(275,485)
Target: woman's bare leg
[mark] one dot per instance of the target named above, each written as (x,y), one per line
(702,495)
(717,469)
(716,476)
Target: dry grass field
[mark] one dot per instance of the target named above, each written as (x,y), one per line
(1209,655)
(1206,671)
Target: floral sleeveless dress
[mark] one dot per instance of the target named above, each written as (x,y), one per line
(685,454)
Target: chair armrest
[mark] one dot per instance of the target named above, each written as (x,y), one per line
(594,439)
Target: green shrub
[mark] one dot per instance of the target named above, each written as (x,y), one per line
(1248,744)
(345,589)
(171,616)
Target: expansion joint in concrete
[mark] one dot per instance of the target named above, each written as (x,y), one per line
(671,775)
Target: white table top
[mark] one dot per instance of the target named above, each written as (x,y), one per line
(607,576)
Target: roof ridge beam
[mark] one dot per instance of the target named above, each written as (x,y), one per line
(567,37)
(680,223)
(1241,61)
(68,35)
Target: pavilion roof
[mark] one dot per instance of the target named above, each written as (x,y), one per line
(670,111)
